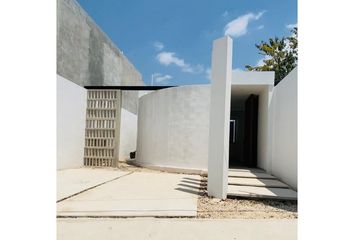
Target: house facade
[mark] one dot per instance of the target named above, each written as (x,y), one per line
(239,120)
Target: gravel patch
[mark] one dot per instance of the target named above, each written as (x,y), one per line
(244,208)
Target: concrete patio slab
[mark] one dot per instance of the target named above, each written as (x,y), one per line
(257,182)
(261,192)
(137,194)
(173,229)
(72,181)
(249,174)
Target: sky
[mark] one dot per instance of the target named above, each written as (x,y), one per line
(170,41)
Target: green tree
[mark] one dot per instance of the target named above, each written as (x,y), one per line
(280,55)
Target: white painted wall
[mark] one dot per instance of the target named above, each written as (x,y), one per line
(262,144)
(173,128)
(252,78)
(71,116)
(128,134)
(284,155)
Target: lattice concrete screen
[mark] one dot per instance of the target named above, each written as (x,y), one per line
(102,128)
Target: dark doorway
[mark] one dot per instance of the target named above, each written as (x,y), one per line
(251,131)
(243,134)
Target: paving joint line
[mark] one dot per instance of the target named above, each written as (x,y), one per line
(117,216)
(100,184)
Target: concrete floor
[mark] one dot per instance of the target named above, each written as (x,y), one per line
(187,229)
(136,194)
(255,183)
(72,181)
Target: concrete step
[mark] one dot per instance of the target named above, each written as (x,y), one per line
(257,182)
(244,169)
(246,174)
(261,192)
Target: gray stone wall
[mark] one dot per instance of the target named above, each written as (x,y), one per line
(85,55)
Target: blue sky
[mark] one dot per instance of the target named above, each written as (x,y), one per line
(172,39)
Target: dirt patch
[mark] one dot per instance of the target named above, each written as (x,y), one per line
(128,166)
(243,208)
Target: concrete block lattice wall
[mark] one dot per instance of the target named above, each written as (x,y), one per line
(102,128)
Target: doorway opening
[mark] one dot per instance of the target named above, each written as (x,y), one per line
(243,131)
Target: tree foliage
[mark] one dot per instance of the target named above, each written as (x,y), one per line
(280,55)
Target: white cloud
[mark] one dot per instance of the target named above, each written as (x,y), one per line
(238,70)
(260,27)
(260,62)
(287,45)
(168,58)
(238,27)
(158,46)
(291,26)
(160,78)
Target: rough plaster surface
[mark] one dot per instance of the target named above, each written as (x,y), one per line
(173,127)
(71,116)
(85,55)
(173,229)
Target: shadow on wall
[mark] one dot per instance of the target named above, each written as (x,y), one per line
(192,185)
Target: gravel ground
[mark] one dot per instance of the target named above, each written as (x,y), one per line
(233,208)
(244,208)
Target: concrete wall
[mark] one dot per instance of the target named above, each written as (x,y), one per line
(173,128)
(85,55)
(128,134)
(284,155)
(71,116)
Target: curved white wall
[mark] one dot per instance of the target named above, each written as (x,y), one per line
(173,128)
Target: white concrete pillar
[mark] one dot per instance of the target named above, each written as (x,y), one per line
(221,75)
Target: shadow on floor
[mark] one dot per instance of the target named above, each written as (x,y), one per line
(192,185)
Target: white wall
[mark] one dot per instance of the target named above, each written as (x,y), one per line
(284,155)
(262,138)
(128,134)
(71,116)
(173,128)
(252,78)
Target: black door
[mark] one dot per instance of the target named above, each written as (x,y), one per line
(251,131)
(236,139)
